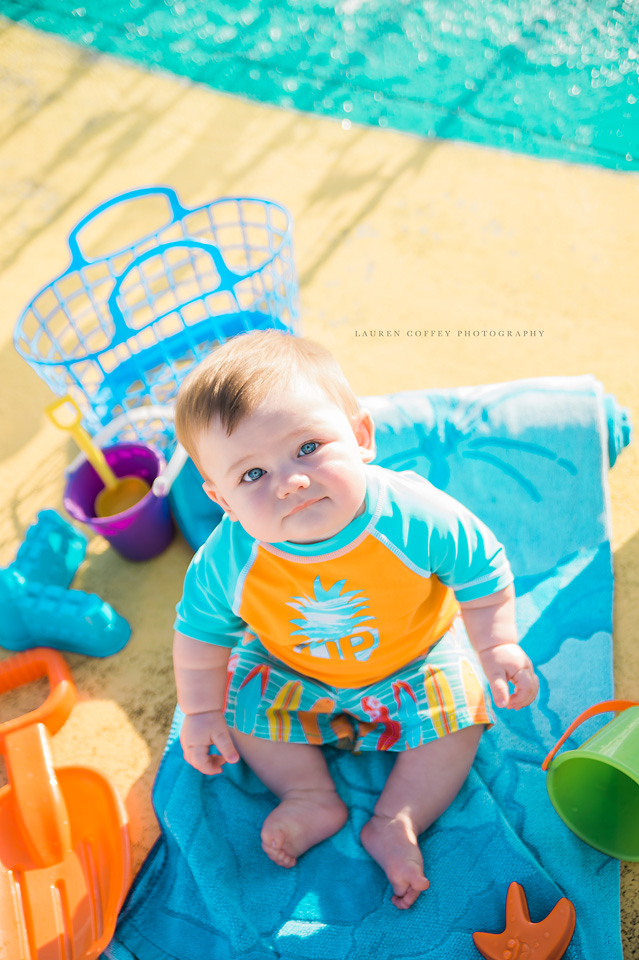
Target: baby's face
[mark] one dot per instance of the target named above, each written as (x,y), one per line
(291,471)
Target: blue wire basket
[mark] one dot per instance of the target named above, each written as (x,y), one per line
(122,331)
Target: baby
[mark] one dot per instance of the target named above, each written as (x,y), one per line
(323,609)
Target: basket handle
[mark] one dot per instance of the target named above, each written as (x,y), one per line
(607,705)
(78,258)
(228,279)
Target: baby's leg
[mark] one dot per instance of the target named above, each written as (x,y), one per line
(310,808)
(421,785)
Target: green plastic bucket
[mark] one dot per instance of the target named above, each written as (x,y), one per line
(595,788)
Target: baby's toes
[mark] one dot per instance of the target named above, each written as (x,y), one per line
(406,898)
(274,846)
(408,886)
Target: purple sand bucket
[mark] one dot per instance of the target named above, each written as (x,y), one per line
(145,529)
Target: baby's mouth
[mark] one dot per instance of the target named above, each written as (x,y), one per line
(304,505)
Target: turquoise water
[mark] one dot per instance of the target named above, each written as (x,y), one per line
(552,78)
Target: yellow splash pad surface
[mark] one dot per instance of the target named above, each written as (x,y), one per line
(392,233)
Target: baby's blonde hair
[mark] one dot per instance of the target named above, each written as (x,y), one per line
(233,381)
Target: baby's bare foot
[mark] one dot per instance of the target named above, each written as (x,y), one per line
(302,819)
(393,843)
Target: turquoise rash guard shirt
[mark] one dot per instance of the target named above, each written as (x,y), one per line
(355,608)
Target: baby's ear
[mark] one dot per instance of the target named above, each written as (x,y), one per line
(364,430)
(213,495)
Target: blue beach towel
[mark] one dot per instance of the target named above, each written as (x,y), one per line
(531,459)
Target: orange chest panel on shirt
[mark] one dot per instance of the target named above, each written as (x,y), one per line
(348,620)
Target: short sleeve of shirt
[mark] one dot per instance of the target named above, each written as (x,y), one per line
(205,611)
(465,554)
(442,537)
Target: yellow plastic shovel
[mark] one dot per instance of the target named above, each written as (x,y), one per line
(119,493)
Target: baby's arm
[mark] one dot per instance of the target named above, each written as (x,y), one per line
(491,628)
(200,676)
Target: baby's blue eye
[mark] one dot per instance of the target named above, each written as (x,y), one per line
(309,447)
(253,474)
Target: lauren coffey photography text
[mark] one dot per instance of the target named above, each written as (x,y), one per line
(430,334)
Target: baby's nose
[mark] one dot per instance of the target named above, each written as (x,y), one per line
(290,481)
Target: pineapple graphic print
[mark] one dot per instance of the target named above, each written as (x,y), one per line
(333,624)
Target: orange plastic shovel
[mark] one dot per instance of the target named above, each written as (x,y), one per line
(64,842)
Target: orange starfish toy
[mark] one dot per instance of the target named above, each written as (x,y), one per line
(524,940)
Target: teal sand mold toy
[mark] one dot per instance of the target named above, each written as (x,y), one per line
(51,552)
(39,610)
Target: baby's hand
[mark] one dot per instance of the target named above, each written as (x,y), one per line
(199,732)
(508,662)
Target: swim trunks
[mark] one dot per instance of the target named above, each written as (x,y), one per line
(436,694)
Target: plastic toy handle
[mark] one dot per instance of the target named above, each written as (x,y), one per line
(607,705)
(72,423)
(31,665)
(38,804)
(227,278)
(78,259)
(162,484)
(106,434)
